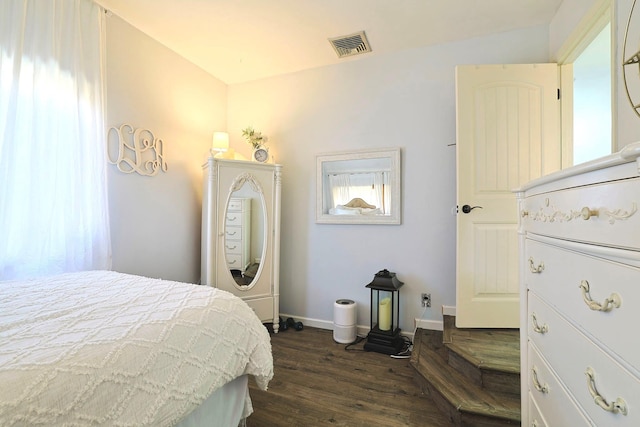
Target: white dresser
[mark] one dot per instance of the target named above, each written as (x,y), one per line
(580,287)
(237,231)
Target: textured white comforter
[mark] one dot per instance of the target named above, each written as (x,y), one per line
(107,348)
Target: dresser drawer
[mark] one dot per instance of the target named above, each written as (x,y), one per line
(234,218)
(561,277)
(549,397)
(535,415)
(571,355)
(263,307)
(610,210)
(233,233)
(234,261)
(235,205)
(232,247)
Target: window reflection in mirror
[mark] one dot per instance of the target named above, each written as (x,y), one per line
(360,187)
(587,85)
(245,232)
(592,100)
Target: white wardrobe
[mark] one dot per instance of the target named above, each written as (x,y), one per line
(241,232)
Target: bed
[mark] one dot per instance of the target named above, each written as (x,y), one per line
(346,210)
(102,347)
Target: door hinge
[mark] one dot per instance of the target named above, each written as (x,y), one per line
(558,93)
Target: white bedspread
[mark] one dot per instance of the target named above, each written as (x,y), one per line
(108,348)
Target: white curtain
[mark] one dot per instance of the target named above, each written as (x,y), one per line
(381,190)
(53,195)
(339,184)
(372,187)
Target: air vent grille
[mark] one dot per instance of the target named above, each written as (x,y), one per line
(353,44)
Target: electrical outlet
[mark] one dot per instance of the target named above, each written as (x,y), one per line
(426,300)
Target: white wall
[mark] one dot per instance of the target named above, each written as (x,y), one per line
(569,15)
(628,122)
(155,221)
(567,18)
(405,99)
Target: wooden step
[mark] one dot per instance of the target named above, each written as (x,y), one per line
(491,357)
(469,378)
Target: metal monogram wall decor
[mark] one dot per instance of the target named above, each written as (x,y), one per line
(138,150)
(631,59)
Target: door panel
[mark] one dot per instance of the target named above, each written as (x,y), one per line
(508,133)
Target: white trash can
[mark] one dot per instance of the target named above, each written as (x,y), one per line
(344,321)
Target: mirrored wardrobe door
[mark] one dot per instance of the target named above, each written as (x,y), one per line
(240,232)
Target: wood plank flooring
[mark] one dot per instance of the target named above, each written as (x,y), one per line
(459,388)
(318,383)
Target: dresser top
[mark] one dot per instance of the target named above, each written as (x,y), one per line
(575,175)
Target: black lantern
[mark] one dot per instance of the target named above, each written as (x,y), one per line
(384,336)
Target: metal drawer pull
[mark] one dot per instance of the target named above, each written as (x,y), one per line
(587,213)
(535,269)
(537,328)
(524,214)
(614,299)
(542,388)
(231,218)
(231,247)
(231,233)
(619,406)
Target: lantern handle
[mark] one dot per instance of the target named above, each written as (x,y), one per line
(383,273)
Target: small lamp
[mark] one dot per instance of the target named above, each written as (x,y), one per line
(384,336)
(220,143)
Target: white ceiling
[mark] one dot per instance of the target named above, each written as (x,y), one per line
(243,40)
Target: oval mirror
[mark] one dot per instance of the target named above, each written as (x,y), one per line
(245,236)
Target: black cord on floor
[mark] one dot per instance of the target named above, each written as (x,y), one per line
(356,342)
(405,353)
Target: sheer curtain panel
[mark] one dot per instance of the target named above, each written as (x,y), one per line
(53,195)
(339,184)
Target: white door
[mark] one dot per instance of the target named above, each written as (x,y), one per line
(508,125)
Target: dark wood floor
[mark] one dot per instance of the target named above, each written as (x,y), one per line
(318,383)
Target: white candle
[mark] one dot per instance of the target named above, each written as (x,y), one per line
(384,314)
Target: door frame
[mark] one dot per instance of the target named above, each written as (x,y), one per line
(594,21)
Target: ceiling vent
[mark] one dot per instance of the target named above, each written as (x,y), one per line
(353,44)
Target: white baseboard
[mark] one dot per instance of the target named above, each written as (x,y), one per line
(322,324)
(314,323)
(433,325)
(363,330)
(449,310)
(436,325)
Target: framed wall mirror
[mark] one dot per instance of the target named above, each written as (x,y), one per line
(358,187)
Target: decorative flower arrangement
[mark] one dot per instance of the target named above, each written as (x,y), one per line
(256,139)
